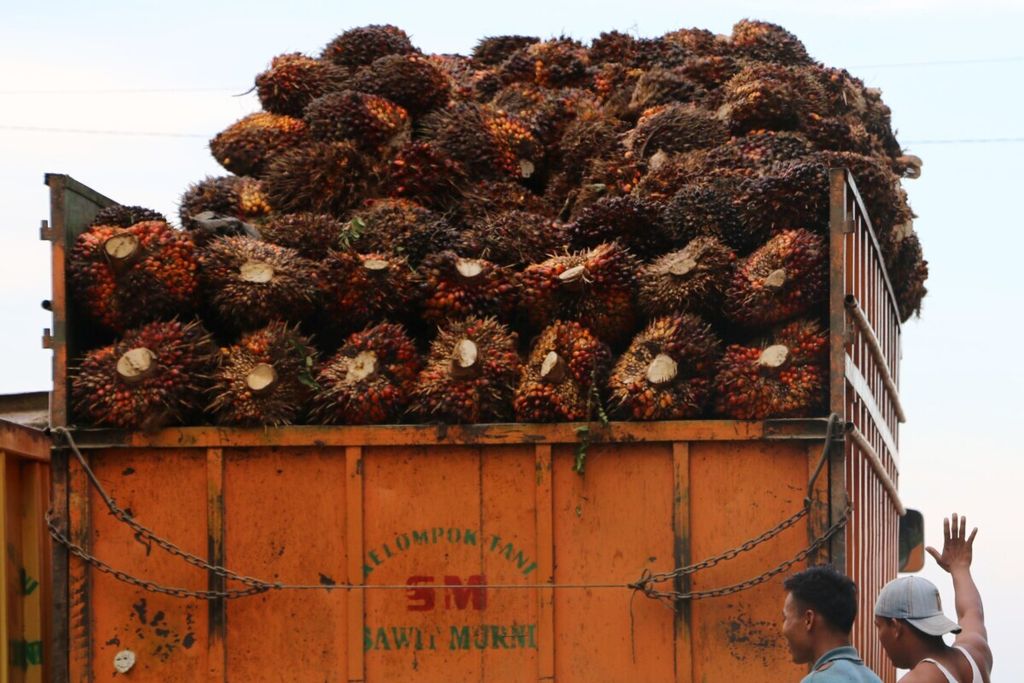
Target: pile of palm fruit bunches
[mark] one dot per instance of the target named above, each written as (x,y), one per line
(541,231)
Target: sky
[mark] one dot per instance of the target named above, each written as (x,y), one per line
(950,71)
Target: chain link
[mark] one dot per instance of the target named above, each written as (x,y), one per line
(256,586)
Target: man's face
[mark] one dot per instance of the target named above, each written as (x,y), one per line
(796,627)
(886,629)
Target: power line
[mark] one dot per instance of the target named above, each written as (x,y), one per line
(944,62)
(81,131)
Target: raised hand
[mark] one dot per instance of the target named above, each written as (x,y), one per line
(957,547)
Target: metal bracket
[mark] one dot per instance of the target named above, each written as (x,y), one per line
(47,339)
(848,225)
(46,233)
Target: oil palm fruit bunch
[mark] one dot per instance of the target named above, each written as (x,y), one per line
(494,50)
(836,133)
(760,96)
(767,42)
(312,235)
(785,278)
(294,80)
(675,128)
(878,187)
(365,288)
(264,379)
(361,46)
(154,376)
(247,146)
(248,283)
(666,372)
(613,85)
(612,47)
(425,173)
(706,210)
(711,71)
(370,122)
(756,152)
(470,373)
(561,378)
(454,287)
(659,86)
(125,216)
(789,195)
(511,238)
(698,41)
(908,273)
(326,177)
(591,135)
(690,280)
(410,81)
(231,196)
(400,227)
(786,375)
(665,174)
(370,379)
(487,142)
(489,196)
(554,63)
(128,276)
(634,221)
(595,287)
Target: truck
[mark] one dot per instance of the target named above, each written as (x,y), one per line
(476,552)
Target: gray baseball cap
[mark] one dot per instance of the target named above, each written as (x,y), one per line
(917,601)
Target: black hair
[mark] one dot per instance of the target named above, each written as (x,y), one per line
(827,592)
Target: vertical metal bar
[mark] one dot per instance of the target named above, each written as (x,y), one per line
(837,286)
(354,655)
(57,644)
(545,563)
(59,303)
(79,579)
(215,528)
(681,533)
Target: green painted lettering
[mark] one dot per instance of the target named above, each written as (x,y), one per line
(387,550)
(533,636)
(469,537)
(420,537)
(400,637)
(520,559)
(498,636)
(367,569)
(373,556)
(454,535)
(495,540)
(382,639)
(507,551)
(526,572)
(518,635)
(437,533)
(480,637)
(367,639)
(402,542)
(459,638)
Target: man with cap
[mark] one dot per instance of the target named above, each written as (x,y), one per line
(910,622)
(817,618)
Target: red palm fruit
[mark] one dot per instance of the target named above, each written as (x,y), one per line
(546,112)
(511,238)
(410,81)
(365,288)
(294,80)
(494,50)
(878,186)
(484,198)
(634,222)
(757,151)
(466,79)
(370,122)
(154,376)
(125,216)
(787,195)
(665,374)
(767,42)
(247,146)
(363,45)
(554,63)
(400,227)
(699,41)
(707,210)
(761,96)
(453,287)
(312,235)
(594,287)
(675,128)
(424,173)
(325,177)
(248,283)
(660,86)
(786,375)
(591,135)
(612,47)
(839,134)
(691,280)
(666,174)
(908,273)
(711,71)
(264,379)
(370,379)
(234,196)
(470,373)
(128,276)
(613,85)
(785,278)
(560,379)
(603,179)
(487,142)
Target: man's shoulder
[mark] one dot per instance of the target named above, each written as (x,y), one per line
(842,671)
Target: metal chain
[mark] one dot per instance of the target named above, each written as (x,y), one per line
(256,586)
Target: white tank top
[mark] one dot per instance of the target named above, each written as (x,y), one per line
(975,671)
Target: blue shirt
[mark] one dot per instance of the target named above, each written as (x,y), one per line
(846,667)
